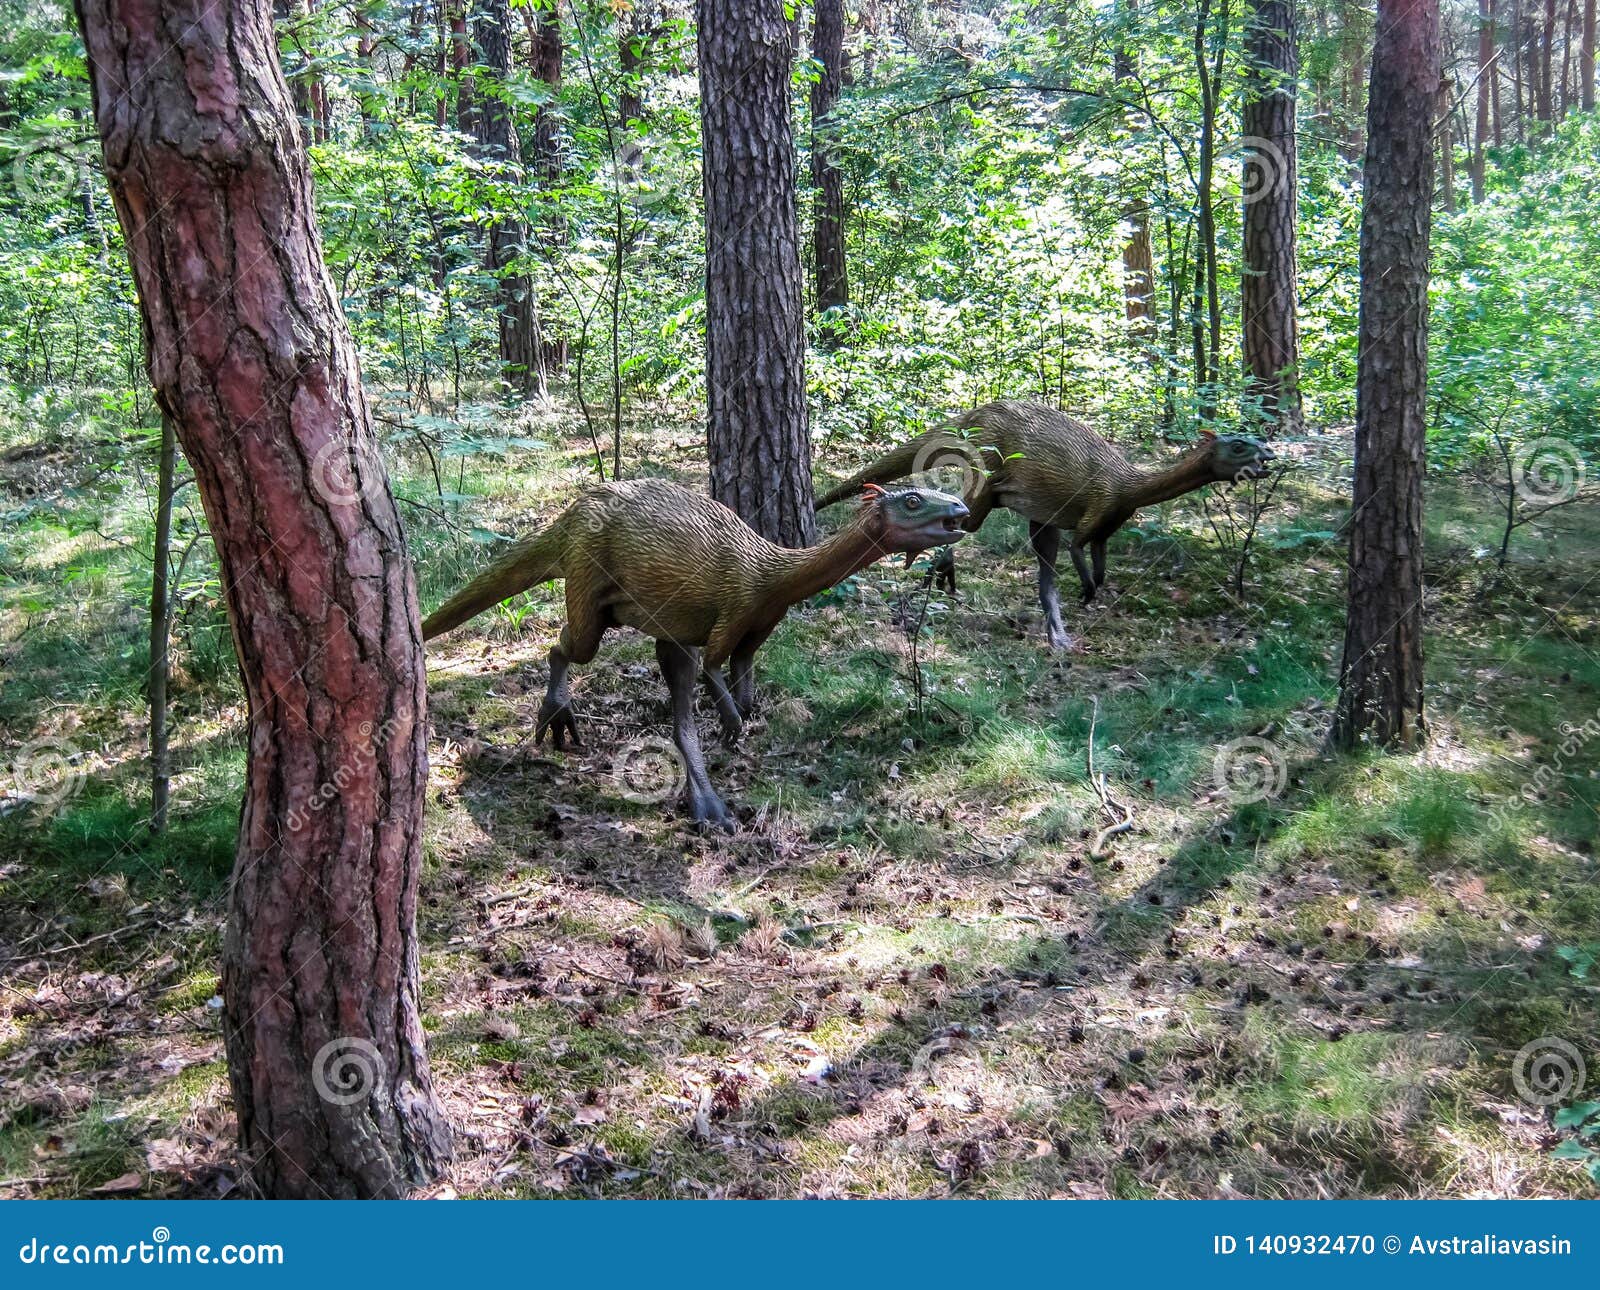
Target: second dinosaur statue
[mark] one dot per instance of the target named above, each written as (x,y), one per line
(685,569)
(1060,475)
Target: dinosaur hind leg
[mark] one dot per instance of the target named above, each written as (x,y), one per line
(574,646)
(679,665)
(1046,539)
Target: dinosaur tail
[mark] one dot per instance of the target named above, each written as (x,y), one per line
(897,463)
(532,560)
(931,450)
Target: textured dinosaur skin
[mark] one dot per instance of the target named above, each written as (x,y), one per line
(686,570)
(1061,476)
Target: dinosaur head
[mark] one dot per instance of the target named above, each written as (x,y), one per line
(1233,458)
(913,519)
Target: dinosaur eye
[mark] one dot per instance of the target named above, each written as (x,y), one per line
(913,501)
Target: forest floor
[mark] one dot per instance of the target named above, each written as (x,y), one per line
(905,974)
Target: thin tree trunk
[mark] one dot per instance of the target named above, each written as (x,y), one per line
(161,628)
(1269,322)
(1586,61)
(1486,80)
(1547,36)
(1207,297)
(249,353)
(1445,115)
(827,181)
(1380,691)
(757,435)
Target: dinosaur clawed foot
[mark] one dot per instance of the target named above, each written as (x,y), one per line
(708,811)
(732,728)
(1062,643)
(555,715)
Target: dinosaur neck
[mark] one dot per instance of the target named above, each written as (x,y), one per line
(798,575)
(1146,487)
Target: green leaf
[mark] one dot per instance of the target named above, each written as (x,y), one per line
(1570,1117)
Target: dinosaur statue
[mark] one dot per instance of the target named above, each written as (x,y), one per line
(1062,476)
(685,569)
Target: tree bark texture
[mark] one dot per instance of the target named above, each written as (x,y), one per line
(1380,699)
(521,351)
(249,353)
(1268,285)
(757,436)
(827,180)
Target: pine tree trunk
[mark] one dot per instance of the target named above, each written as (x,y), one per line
(1138,261)
(1586,61)
(1270,326)
(1380,694)
(249,353)
(1486,80)
(544,33)
(827,181)
(521,350)
(1547,37)
(757,435)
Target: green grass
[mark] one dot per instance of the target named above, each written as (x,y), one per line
(1320,991)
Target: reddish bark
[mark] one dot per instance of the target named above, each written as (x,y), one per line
(249,353)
